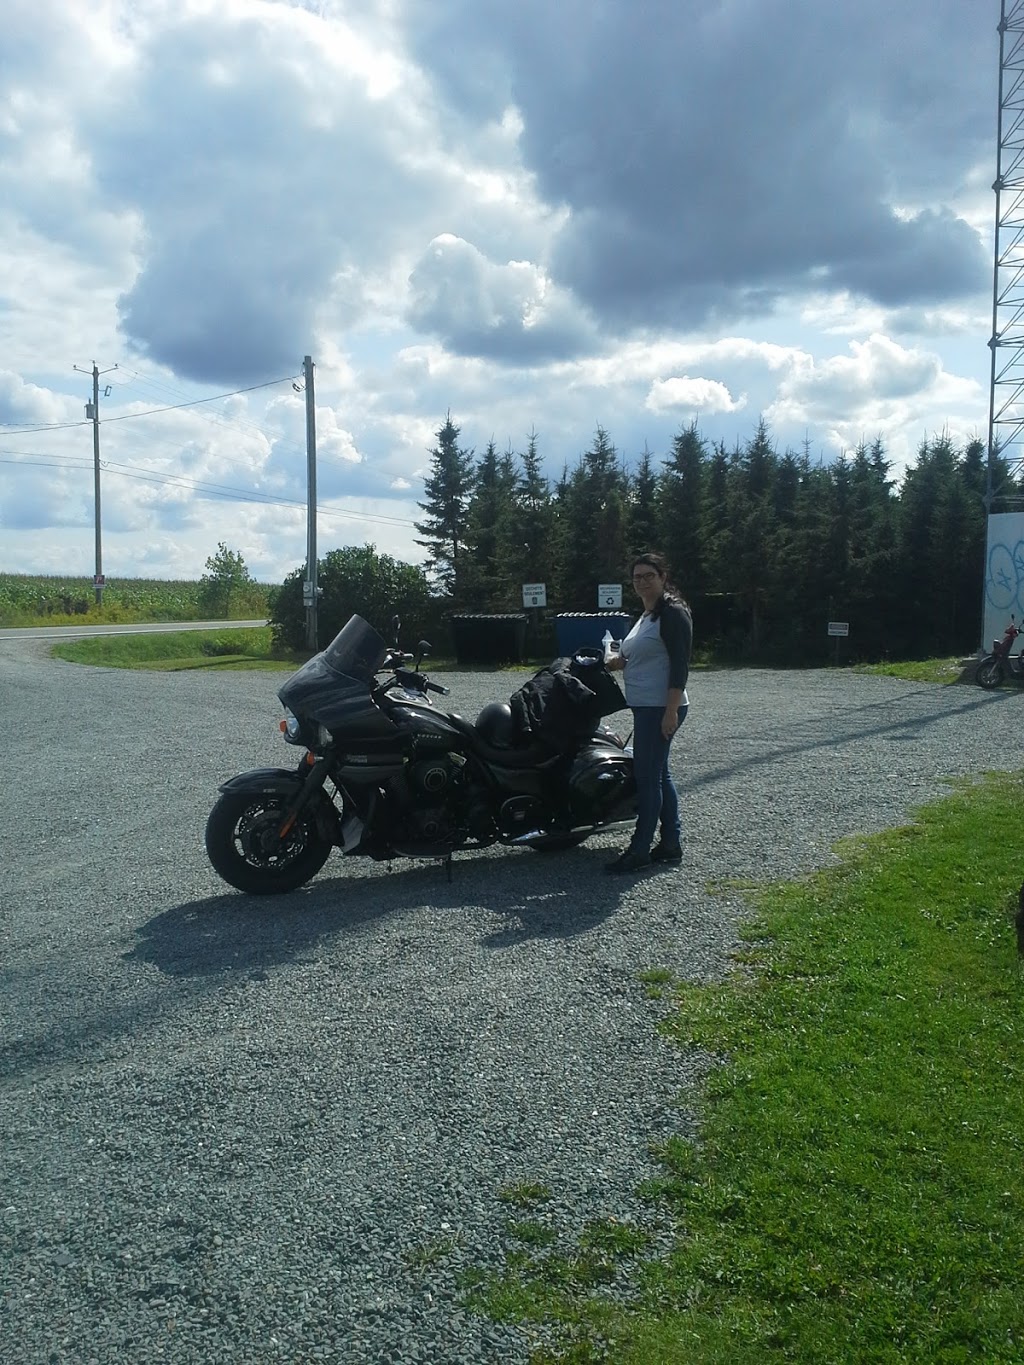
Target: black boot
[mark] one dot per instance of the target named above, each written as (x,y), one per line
(628,862)
(666,853)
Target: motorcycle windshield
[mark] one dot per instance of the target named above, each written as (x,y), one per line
(334,687)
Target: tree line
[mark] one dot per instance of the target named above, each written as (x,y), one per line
(767,546)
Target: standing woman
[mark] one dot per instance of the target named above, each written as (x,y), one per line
(655,657)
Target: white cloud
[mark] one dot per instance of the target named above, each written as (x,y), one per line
(877,371)
(28,404)
(684,395)
(879,388)
(519,214)
(476,307)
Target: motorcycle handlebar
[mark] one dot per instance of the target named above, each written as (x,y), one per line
(419,681)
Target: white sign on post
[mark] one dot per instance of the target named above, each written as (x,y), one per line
(838,627)
(609,594)
(535,594)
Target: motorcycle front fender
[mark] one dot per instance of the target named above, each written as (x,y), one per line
(287,783)
(282,781)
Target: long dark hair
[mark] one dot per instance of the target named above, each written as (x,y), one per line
(670,592)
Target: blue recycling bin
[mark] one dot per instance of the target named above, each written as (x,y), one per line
(585,629)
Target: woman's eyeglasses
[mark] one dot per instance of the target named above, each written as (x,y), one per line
(644,577)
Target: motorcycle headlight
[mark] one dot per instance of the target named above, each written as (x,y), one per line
(290,727)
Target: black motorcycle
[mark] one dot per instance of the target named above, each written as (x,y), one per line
(385,774)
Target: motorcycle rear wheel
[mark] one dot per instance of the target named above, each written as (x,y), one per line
(242,844)
(989,674)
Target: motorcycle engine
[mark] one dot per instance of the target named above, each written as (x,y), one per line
(426,825)
(425,808)
(431,776)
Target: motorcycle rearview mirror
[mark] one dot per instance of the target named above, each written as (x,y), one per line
(422,650)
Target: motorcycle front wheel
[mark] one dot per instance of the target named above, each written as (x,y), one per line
(243,845)
(989,674)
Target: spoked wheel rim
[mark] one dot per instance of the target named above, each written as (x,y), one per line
(256,837)
(990,674)
(245,845)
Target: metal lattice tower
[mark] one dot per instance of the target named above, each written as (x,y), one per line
(1006,395)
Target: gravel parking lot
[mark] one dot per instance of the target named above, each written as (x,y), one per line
(240,1130)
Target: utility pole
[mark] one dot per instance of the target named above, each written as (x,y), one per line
(310,590)
(93,410)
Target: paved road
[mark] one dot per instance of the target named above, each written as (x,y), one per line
(246,1131)
(74,632)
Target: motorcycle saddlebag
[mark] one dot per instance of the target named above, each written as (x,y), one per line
(601,785)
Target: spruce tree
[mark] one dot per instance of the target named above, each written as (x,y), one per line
(591,538)
(750,527)
(681,493)
(872,584)
(443,531)
(523,548)
(642,512)
(484,512)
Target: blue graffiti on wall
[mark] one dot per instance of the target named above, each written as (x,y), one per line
(1004,584)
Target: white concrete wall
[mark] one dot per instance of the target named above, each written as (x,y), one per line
(1004,575)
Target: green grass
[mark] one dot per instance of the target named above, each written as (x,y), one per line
(200,649)
(857,1191)
(922,670)
(525,1194)
(219,649)
(178,650)
(427,1254)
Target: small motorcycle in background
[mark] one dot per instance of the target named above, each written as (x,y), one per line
(1000,663)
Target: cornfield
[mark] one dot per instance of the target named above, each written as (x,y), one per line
(29,599)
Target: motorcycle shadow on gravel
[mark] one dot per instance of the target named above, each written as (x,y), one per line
(532,895)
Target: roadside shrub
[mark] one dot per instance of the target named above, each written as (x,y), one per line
(355,580)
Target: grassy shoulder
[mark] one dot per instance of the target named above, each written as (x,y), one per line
(949,670)
(857,1190)
(253,649)
(179,650)
(187,650)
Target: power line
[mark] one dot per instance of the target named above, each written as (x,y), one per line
(165,390)
(37,428)
(198,486)
(174,407)
(41,427)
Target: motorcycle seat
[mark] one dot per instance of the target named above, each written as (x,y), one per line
(533,755)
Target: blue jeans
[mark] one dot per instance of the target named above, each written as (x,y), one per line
(656,796)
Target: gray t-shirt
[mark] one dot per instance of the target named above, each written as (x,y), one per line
(646,673)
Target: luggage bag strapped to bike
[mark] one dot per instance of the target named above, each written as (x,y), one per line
(566,700)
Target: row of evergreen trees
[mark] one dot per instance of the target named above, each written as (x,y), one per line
(767,547)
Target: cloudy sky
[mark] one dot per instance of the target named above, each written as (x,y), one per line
(538,215)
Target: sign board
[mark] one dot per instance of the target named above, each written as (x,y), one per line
(99,581)
(535,594)
(838,627)
(609,594)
